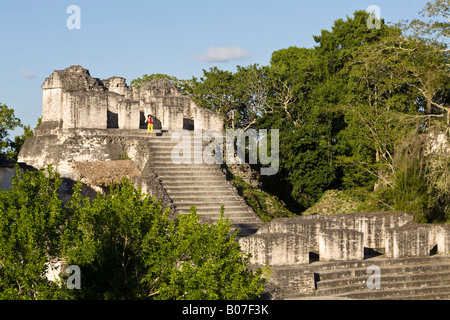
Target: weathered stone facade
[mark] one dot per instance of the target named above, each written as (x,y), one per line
(90,121)
(74,99)
(94,131)
(345,237)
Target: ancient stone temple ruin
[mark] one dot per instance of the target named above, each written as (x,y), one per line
(94,131)
(323,255)
(74,99)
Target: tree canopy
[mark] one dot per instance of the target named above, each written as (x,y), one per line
(344,109)
(124,244)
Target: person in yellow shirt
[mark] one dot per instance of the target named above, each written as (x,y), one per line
(150,124)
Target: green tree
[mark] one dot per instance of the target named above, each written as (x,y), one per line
(128,249)
(8,121)
(309,92)
(31,215)
(124,244)
(182,85)
(18,142)
(402,105)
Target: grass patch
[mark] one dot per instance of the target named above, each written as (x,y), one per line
(265,205)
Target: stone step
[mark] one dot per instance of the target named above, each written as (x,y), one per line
(163,158)
(228,201)
(216,214)
(191,180)
(163,165)
(198,188)
(216,207)
(394,283)
(188,174)
(385,270)
(207,193)
(337,283)
(234,220)
(161,141)
(379,261)
(170,167)
(404,293)
(199,181)
(181,169)
(445,295)
(193,199)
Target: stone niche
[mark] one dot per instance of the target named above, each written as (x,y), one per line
(75,100)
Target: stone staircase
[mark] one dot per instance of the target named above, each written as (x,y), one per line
(418,278)
(202,185)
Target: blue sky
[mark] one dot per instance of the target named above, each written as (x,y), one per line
(181,38)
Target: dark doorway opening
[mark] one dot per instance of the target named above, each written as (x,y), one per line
(371,253)
(434,250)
(188,124)
(112,120)
(313,257)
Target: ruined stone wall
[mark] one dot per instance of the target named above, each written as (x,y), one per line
(416,239)
(344,237)
(77,100)
(66,150)
(331,237)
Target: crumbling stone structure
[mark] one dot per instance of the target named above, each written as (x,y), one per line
(74,99)
(417,240)
(93,131)
(343,237)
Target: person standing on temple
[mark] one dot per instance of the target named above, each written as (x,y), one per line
(150,124)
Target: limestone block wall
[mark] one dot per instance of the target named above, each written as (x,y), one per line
(64,149)
(128,112)
(310,228)
(52,102)
(341,244)
(373,225)
(276,249)
(293,281)
(407,241)
(77,100)
(442,238)
(209,119)
(84,111)
(332,237)
(415,239)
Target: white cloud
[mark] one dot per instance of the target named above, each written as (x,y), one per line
(223,54)
(27,74)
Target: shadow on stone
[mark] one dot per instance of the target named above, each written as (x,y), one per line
(371,253)
(434,250)
(188,124)
(112,120)
(313,257)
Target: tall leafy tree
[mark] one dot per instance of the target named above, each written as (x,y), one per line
(8,121)
(125,246)
(31,215)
